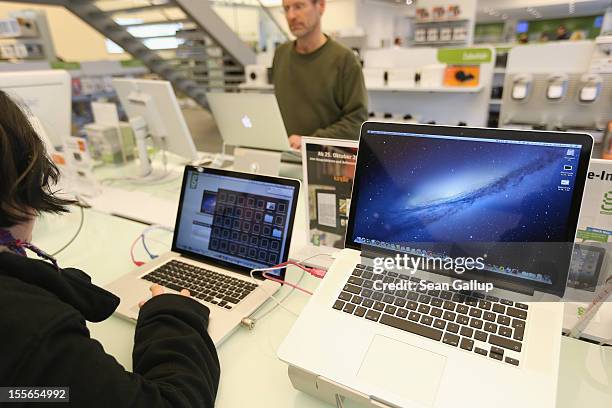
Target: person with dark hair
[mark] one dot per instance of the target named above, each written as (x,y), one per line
(318,82)
(44,341)
(561,33)
(523,38)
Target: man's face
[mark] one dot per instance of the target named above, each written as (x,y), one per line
(303,16)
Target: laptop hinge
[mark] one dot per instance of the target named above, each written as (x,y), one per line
(370,253)
(225,267)
(332,392)
(376,402)
(341,393)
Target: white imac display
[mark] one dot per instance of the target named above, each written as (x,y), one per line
(47,95)
(154,111)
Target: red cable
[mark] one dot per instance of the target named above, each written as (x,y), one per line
(319,273)
(265,275)
(137,263)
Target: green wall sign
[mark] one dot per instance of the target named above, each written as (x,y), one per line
(582,27)
(456,56)
(592,236)
(65,65)
(132,63)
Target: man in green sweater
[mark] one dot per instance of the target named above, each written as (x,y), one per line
(318,82)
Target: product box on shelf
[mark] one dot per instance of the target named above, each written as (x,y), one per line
(400,77)
(439,13)
(422,14)
(459,33)
(420,35)
(374,77)
(462,75)
(18,28)
(454,11)
(446,34)
(432,34)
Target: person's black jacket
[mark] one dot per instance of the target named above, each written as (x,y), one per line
(44,341)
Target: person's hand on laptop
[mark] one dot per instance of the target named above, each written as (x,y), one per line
(157,290)
(295,141)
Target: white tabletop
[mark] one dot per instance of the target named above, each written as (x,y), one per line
(251,374)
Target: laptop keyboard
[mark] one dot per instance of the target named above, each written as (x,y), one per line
(480,324)
(203,284)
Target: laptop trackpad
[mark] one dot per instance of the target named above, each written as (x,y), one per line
(408,371)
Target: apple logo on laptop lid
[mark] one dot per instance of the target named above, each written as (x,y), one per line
(246,122)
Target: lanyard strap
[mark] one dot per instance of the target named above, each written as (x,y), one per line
(18,246)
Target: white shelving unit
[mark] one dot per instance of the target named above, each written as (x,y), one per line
(446,20)
(25,36)
(499,74)
(429,43)
(440,24)
(444,105)
(572,59)
(445,89)
(250,87)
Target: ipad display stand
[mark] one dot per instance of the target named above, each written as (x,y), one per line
(563,85)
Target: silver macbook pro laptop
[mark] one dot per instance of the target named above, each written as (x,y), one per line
(249,120)
(228,223)
(440,339)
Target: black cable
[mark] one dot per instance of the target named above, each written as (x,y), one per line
(78,231)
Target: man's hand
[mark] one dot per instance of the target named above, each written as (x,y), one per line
(157,290)
(295,141)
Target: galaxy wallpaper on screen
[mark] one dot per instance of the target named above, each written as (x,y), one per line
(450,190)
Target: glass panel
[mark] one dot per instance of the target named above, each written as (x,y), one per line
(163,43)
(109,5)
(156,30)
(113,48)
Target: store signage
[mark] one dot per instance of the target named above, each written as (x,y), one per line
(329,169)
(65,65)
(132,63)
(595,222)
(465,55)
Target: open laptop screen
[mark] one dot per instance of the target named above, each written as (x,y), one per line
(444,194)
(234,219)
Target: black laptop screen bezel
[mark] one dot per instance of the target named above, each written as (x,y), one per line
(244,176)
(582,139)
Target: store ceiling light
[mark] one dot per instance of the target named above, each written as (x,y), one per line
(409,2)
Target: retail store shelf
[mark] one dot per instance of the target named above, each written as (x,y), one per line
(253,87)
(441,89)
(499,70)
(451,42)
(495,101)
(448,20)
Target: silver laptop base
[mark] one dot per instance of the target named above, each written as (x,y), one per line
(330,391)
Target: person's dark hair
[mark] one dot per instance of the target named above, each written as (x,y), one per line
(27,173)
